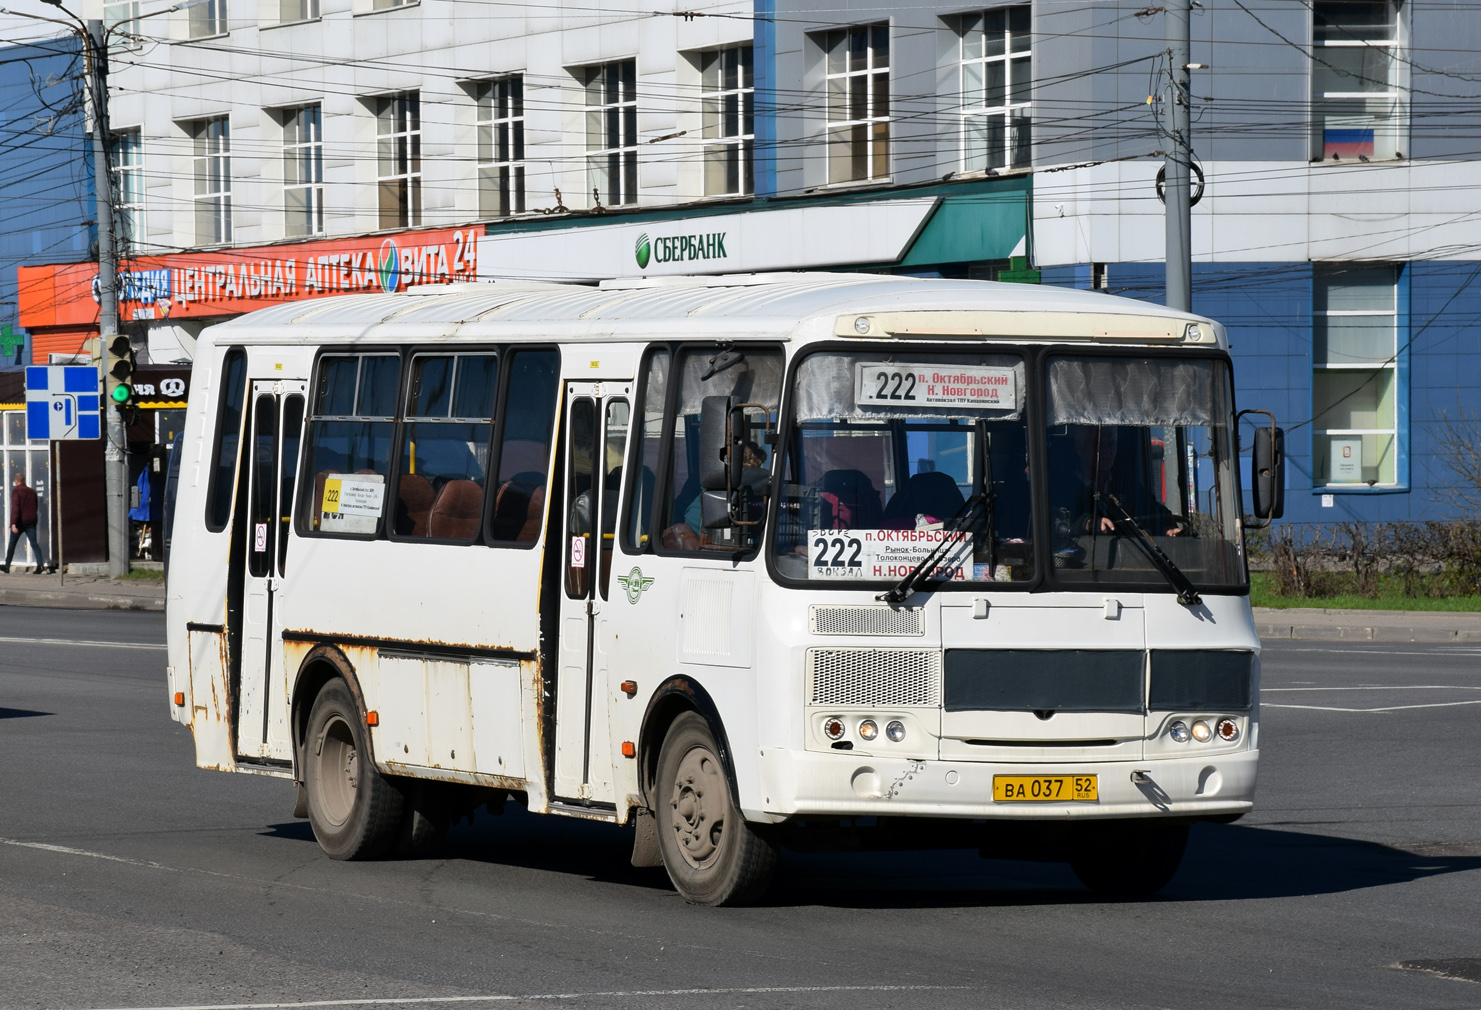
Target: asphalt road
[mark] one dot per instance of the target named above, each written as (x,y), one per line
(130,879)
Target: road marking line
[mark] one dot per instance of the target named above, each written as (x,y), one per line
(1381,687)
(1391,708)
(1439,650)
(414,1000)
(68,641)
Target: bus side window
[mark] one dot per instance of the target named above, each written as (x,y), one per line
(228,432)
(351,434)
(524,429)
(445,446)
(654,397)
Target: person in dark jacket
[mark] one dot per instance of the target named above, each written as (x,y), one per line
(22,521)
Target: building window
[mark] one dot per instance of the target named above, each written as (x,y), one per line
(208,17)
(303,171)
(1354,388)
(612,132)
(398,129)
(212,181)
(385,5)
(1356,91)
(127,159)
(121,19)
(858,75)
(729,120)
(297,10)
(997,69)
(501,147)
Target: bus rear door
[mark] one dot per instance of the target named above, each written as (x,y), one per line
(265,500)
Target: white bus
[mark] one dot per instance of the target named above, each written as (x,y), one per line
(746,562)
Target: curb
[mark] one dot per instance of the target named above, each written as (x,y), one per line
(78,601)
(1363,633)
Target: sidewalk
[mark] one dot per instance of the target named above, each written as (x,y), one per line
(1367,625)
(81,592)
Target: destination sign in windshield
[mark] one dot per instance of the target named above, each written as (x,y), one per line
(880,384)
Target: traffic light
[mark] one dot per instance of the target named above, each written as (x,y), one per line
(120,372)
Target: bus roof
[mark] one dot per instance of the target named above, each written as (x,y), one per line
(792,306)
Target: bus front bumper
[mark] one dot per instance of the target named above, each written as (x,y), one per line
(793,783)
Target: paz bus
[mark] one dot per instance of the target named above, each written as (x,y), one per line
(794,561)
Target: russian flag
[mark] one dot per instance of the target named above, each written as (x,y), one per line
(1347,143)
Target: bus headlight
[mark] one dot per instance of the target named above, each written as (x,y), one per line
(833,728)
(1201,732)
(868,729)
(895,730)
(1179,732)
(1228,730)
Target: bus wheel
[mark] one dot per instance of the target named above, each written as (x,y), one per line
(712,855)
(354,811)
(1131,860)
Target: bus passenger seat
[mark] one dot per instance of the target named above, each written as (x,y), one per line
(456,511)
(414,501)
(854,498)
(931,493)
(519,507)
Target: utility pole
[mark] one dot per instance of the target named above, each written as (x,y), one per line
(1179,158)
(115,459)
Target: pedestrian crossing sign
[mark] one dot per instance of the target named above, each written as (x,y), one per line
(63,402)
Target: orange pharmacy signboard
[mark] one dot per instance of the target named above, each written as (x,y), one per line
(233,281)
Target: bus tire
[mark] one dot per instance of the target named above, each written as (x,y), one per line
(354,811)
(1137,859)
(711,854)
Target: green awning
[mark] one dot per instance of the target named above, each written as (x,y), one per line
(972,228)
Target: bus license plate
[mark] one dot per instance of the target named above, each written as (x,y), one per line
(1045,788)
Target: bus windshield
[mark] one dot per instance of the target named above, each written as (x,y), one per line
(891,455)
(895,458)
(1141,446)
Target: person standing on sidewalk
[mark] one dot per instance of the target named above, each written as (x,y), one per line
(22,521)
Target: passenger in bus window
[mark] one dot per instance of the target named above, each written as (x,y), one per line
(1089,473)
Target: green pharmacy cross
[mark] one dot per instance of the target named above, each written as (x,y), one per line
(10,341)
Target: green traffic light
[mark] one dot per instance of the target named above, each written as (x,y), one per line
(121,393)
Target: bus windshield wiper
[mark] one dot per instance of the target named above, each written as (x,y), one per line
(1187,595)
(952,529)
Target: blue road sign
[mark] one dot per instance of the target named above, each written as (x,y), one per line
(63,402)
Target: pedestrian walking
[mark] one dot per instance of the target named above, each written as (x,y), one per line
(22,521)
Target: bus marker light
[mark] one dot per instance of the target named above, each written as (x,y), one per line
(868,729)
(1179,732)
(833,728)
(1228,730)
(372,718)
(895,730)
(1201,732)
(180,698)
(629,687)
(628,750)
(861,325)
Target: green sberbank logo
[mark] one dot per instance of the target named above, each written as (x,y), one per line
(680,248)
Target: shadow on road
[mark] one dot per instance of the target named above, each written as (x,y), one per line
(1225,862)
(20,713)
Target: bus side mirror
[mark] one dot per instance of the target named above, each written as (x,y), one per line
(714,424)
(1268,473)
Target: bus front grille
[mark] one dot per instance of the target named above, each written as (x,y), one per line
(825,620)
(874,676)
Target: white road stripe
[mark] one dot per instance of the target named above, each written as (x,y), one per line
(68,641)
(1381,687)
(632,994)
(1439,650)
(1391,708)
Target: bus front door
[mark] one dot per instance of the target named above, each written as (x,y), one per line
(259,557)
(596,433)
